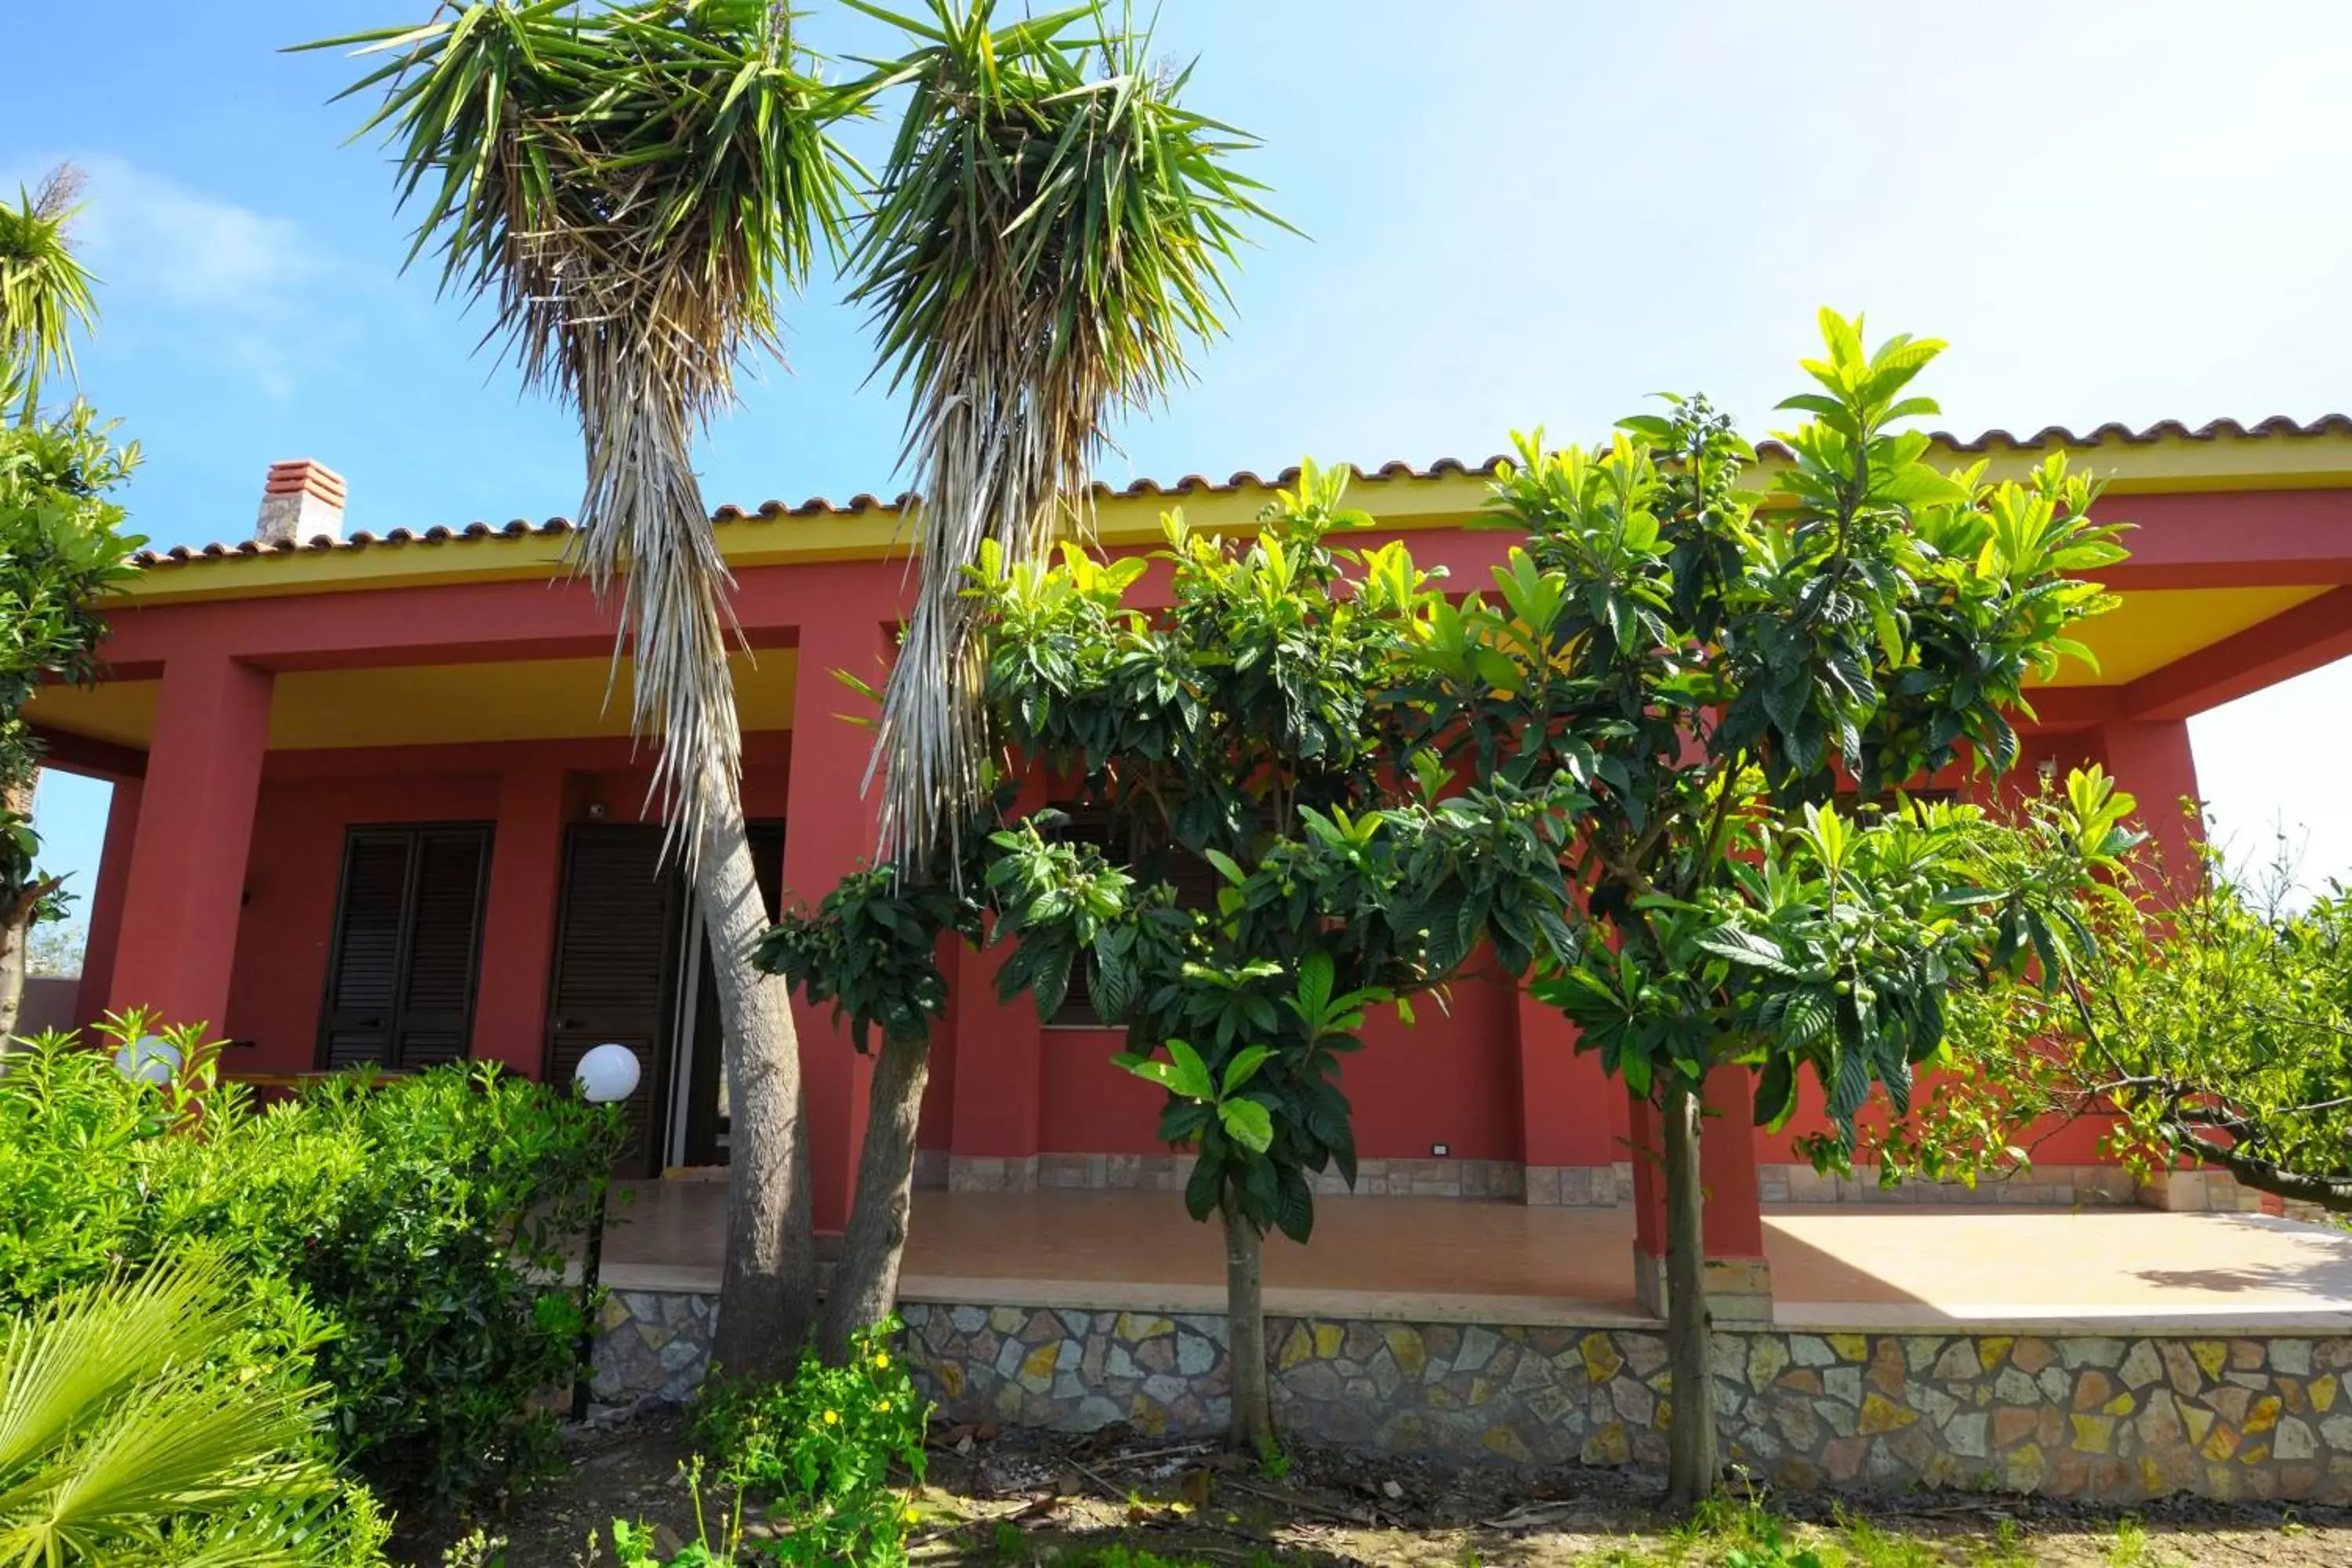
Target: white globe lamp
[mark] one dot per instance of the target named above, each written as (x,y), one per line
(607,1073)
(150,1058)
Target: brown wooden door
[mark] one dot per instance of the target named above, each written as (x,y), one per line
(407,946)
(615,970)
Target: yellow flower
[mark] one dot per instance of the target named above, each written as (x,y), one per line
(833,1418)
(881,1360)
(883,1407)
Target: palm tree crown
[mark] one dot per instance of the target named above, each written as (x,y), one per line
(630,188)
(1048,239)
(45,290)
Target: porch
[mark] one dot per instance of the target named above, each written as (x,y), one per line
(1908,1269)
(2112,1354)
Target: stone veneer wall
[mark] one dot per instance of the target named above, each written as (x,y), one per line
(2103,1417)
(652,1344)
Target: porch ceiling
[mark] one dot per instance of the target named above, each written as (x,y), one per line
(2156,626)
(427,705)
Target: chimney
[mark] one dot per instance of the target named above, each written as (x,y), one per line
(301,501)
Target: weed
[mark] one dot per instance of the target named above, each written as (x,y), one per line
(1867,1546)
(2132,1548)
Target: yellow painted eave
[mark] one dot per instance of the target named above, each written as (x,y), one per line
(2318,460)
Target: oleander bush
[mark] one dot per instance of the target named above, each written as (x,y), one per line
(407,1231)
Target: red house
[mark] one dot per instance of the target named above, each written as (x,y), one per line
(372,804)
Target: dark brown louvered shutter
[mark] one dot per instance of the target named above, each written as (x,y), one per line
(445,945)
(407,946)
(363,977)
(614,953)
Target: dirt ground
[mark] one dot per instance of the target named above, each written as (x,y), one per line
(1021,1497)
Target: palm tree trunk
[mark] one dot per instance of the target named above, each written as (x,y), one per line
(1251,1428)
(1692,1461)
(865,1286)
(767,1295)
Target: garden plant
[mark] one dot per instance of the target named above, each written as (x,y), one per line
(62,544)
(406,1234)
(1712,668)
(2205,1019)
(1264,874)
(1673,684)
(145,1418)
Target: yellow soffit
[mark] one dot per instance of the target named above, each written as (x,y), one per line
(1446,495)
(2152,628)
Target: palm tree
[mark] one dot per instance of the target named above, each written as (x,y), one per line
(60,548)
(1046,243)
(45,290)
(630,188)
(122,1441)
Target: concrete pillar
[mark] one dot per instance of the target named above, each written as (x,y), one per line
(2152,758)
(186,886)
(106,902)
(519,918)
(830,829)
(1738,1278)
(1567,1139)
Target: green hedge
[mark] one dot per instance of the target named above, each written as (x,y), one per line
(410,1227)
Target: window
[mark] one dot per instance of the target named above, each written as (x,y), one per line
(407,946)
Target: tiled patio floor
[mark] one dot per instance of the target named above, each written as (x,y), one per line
(1502,1262)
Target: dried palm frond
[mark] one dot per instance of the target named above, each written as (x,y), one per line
(45,290)
(1047,241)
(629,188)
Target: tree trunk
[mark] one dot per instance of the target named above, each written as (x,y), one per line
(15,938)
(1693,1466)
(865,1286)
(767,1295)
(1251,1430)
(16,918)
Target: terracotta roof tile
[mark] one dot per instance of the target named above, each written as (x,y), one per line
(2052,436)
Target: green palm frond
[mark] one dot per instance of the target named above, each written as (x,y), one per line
(119,1441)
(630,188)
(45,290)
(1049,239)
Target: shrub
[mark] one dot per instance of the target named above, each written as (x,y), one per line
(818,1451)
(408,1229)
(127,1437)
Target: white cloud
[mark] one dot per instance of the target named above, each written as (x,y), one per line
(155,235)
(248,290)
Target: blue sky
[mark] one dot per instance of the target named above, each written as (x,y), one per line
(1518,214)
